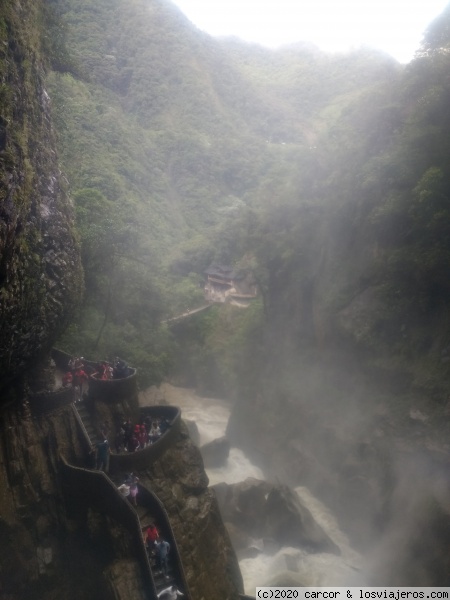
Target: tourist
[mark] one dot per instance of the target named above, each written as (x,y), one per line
(78,363)
(147,423)
(128,428)
(151,536)
(67,379)
(154,433)
(120,370)
(124,489)
(170,593)
(103,451)
(162,552)
(142,437)
(134,488)
(133,443)
(103,371)
(79,377)
(119,441)
(164,425)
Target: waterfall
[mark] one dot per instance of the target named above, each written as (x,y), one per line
(292,565)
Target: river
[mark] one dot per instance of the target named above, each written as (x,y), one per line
(290,564)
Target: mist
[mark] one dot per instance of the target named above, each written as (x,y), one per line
(326,180)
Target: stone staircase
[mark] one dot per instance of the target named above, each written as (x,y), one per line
(161,582)
(145,511)
(86,419)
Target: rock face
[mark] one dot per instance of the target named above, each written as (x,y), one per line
(255,508)
(40,269)
(193,431)
(215,454)
(57,548)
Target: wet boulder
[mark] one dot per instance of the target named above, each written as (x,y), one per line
(292,524)
(215,453)
(273,512)
(194,433)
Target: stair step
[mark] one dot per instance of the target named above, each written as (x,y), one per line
(145,516)
(164,583)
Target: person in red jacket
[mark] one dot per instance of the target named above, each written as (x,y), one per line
(150,537)
(78,379)
(67,379)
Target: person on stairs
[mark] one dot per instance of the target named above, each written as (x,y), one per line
(170,593)
(151,536)
(133,483)
(103,451)
(162,552)
(124,489)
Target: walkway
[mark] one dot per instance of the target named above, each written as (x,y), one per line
(91,431)
(188,313)
(146,518)
(148,510)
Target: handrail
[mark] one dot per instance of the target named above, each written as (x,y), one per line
(86,437)
(94,488)
(128,461)
(111,389)
(47,401)
(149,498)
(114,379)
(144,493)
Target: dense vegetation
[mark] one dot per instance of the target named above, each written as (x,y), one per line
(326,176)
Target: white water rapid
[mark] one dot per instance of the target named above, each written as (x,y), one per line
(294,566)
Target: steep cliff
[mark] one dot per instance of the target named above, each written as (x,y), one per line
(40,271)
(57,543)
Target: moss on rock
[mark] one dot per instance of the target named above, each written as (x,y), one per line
(40,269)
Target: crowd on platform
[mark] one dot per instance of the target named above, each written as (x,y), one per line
(130,438)
(76,375)
(79,370)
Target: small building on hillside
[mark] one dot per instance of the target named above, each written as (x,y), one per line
(223,284)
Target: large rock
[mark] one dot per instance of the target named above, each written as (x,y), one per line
(289,522)
(194,433)
(272,512)
(215,453)
(40,267)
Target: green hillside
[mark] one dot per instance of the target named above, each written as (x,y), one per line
(180,149)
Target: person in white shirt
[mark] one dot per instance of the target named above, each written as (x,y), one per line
(170,593)
(124,489)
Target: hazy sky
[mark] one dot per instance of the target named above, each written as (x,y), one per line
(395,26)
